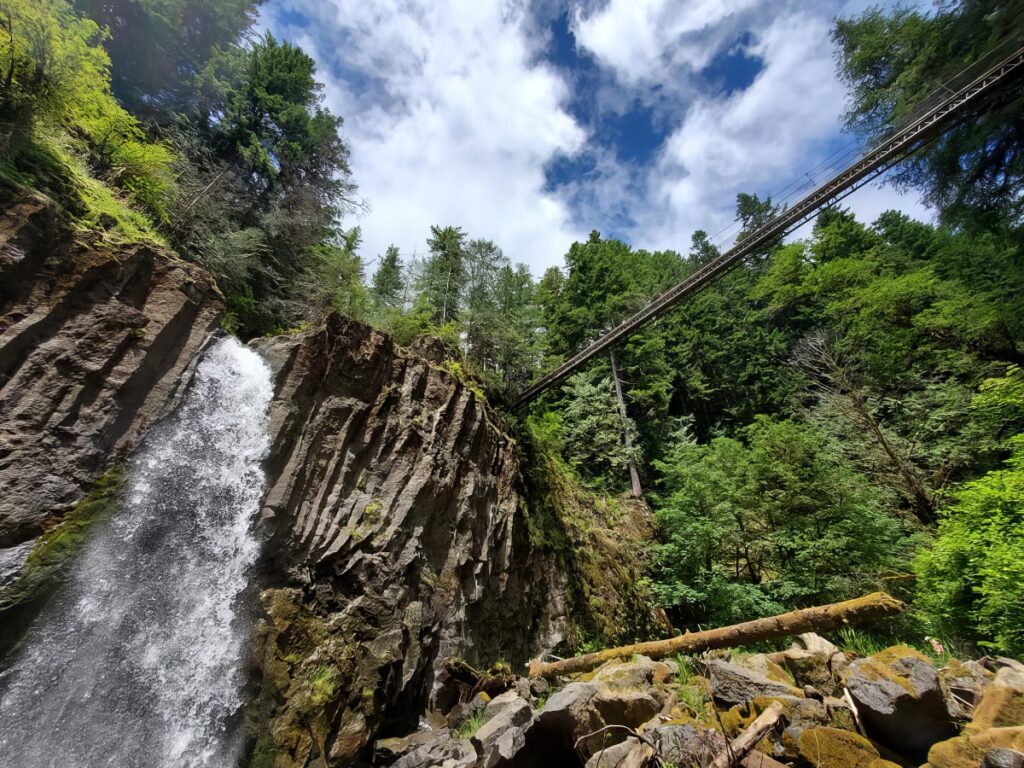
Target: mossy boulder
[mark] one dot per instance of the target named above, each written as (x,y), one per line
(824,747)
(964,682)
(969,749)
(901,700)
(635,673)
(732,684)
(765,664)
(1001,704)
(810,668)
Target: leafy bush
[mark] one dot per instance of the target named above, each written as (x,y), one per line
(57,85)
(752,526)
(970,581)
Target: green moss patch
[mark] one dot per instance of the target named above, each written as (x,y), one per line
(48,561)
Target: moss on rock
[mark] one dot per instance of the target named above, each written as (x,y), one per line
(825,747)
(967,750)
(47,563)
(1000,707)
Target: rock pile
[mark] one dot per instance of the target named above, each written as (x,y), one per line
(895,708)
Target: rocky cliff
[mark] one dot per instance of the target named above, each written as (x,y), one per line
(402,525)
(96,342)
(397,539)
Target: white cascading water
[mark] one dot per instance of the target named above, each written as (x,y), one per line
(137,659)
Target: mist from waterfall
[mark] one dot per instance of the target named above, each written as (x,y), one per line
(137,659)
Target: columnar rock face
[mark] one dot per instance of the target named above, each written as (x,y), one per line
(396,540)
(95,343)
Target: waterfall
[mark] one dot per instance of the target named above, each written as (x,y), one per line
(137,659)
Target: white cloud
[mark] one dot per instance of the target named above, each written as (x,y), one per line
(759,139)
(642,39)
(449,118)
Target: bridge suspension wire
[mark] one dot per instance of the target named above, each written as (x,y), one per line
(932,117)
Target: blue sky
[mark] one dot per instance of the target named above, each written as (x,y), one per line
(531,123)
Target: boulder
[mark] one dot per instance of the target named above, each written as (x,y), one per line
(813,660)
(571,712)
(766,665)
(732,684)
(970,749)
(503,733)
(1001,662)
(442,753)
(625,707)
(1010,677)
(798,715)
(522,688)
(686,744)
(539,686)
(824,747)
(963,683)
(1001,704)
(814,643)
(900,700)
(584,707)
(809,668)
(462,712)
(631,753)
(1000,757)
(387,751)
(497,705)
(637,673)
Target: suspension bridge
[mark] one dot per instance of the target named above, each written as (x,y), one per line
(957,100)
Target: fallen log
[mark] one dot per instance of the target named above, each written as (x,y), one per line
(746,741)
(822,618)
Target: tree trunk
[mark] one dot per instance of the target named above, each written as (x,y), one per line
(634,473)
(824,618)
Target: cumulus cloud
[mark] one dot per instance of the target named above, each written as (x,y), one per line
(643,39)
(762,139)
(450,118)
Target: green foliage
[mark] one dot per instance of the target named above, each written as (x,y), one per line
(592,431)
(444,274)
(388,284)
(157,47)
(893,59)
(229,155)
(968,581)
(858,641)
(55,95)
(776,519)
(467,728)
(274,123)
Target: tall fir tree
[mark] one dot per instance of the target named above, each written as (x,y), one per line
(388,283)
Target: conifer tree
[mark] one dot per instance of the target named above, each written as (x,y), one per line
(388,283)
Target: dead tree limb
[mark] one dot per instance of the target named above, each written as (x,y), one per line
(823,618)
(738,748)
